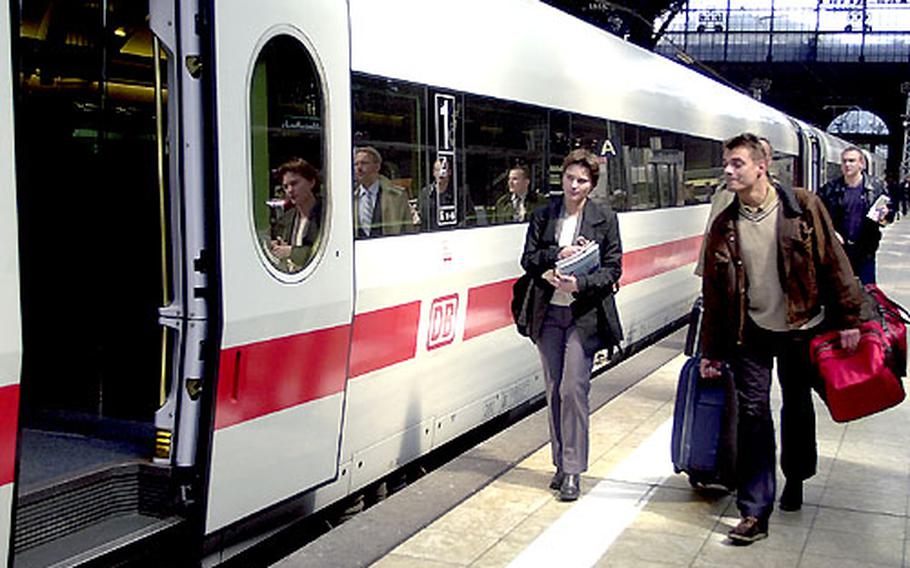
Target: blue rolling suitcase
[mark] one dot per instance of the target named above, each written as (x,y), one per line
(703,443)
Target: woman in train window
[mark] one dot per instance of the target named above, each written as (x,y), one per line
(572,316)
(295,234)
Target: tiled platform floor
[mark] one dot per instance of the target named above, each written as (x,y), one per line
(855,514)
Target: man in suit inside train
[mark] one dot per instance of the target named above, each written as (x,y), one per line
(517,205)
(380,207)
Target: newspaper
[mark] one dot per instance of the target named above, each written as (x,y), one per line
(585,261)
(879,209)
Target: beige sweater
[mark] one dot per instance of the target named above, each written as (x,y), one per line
(757,228)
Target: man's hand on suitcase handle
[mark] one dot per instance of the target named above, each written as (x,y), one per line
(710,369)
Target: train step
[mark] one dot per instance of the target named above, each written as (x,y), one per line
(94,518)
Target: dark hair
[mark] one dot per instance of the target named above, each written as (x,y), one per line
(525,171)
(749,141)
(586,159)
(302,168)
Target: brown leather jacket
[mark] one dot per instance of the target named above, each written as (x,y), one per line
(812,265)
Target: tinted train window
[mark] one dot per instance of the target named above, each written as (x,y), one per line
(655,167)
(571,131)
(287,143)
(441,201)
(637,154)
(703,171)
(783,168)
(388,118)
(503,139)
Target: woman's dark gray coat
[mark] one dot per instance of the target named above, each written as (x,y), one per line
(594,308)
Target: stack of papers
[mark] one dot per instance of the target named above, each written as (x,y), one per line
(585,261)
(879,209)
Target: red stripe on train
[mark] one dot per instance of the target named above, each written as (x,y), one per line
(384,337)
(9,413)
(488,308)
(268,376)
(651,261)
(489,305)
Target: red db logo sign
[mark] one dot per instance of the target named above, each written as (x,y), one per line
(443,312)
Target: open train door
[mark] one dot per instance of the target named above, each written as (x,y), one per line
(10,338)
(282,93)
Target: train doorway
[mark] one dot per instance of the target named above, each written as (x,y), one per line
(100,242)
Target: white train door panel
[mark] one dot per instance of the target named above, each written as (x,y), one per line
(10,340)
(282,77)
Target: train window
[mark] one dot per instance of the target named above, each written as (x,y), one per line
(703,169)
(783,168)
(637,154)
(594,134)
(571,131)
(655,165)
(287,144)
(441,200)
(503,140)
(560,146)
(388,123)
(612,172)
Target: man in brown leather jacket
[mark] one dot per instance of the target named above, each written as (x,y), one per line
(774,276)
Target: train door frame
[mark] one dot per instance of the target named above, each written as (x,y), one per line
(187,319)
(816,163)
(10,330)
(261,453)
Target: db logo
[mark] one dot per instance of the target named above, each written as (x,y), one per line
(443,312)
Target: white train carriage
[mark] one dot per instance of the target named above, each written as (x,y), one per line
(164,346)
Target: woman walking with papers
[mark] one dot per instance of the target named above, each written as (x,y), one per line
(573,252)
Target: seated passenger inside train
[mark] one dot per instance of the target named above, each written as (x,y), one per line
(295,233)
(437,201)
(517,204)
(380,207)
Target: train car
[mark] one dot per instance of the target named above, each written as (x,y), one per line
(168,371)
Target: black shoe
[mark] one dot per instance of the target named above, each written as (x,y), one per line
(749,530)
(570,488)
(791,498)
(556,482)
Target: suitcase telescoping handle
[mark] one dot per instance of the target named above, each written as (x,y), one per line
(692,348)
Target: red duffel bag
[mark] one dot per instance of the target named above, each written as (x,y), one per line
(857,383)
(893,318)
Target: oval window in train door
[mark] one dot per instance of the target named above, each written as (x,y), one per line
(10,343)
(282,80)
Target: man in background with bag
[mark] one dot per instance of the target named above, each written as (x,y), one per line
(774,276)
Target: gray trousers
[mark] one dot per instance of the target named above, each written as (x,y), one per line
(567,371)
